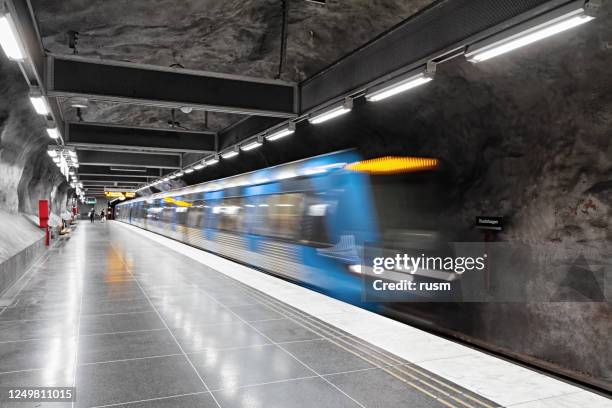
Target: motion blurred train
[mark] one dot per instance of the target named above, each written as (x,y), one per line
(311,221)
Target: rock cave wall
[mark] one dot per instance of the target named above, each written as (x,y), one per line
(27,173)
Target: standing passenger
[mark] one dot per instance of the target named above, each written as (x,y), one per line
(91,215)
(102,215)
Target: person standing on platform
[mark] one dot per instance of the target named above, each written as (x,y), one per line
(91,215)
(102,215)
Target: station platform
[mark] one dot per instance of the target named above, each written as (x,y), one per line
(134,319)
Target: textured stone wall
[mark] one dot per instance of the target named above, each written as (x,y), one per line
(27,173)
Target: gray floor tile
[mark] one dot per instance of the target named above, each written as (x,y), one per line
(38,313)
(108,347)
(255,312)
(365,387)
(180,317)
(325,357)
(36,329)
(135,380)
(247,366)
(204,400)
(49,377)
(285,330)
(118,306)
(47,353)
(120,323)
(306,393)
(217,336)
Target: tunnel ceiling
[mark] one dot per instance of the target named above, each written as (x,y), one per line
(232,37)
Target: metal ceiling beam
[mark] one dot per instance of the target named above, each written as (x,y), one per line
(94,135)
(93,183)
(69,76)
(108,172)
(110,179)
(110,158)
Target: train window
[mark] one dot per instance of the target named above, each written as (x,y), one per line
(283,214)
(230,214)
(314,227)
(196,214)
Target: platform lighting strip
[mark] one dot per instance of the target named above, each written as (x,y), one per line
(228,154)
(40,104)
(9,38)
(331,112)
(552,23)
(399,85)
(254,144)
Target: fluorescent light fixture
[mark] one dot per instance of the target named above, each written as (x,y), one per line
(53,133)
(402,84)
(230,153)
(327,114)
(180,174)
(200,166)
(280,133)
(172,176)
(212,161)
(56,159)
(39,104)
(9,39)
(254,144)
(542,27)
(166,178)
(52,152)
(187,171)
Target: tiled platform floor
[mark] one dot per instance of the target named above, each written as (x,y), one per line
(136,324)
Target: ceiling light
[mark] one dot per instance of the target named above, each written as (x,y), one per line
(172,176)
(187,171)
(327,114)
(166,178)
(39,104)
(537,29)
(402,84)
(75,165)
(200,165)
(56,159)
(52,152)
(9,38)
(79,102)
(254,144)
(230,153)
(212,161)
(278,134)
(180,174)
(53,133)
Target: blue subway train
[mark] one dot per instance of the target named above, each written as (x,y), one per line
(309,221)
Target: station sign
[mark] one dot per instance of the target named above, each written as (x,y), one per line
(119,194)
(489,223)
(90,200)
